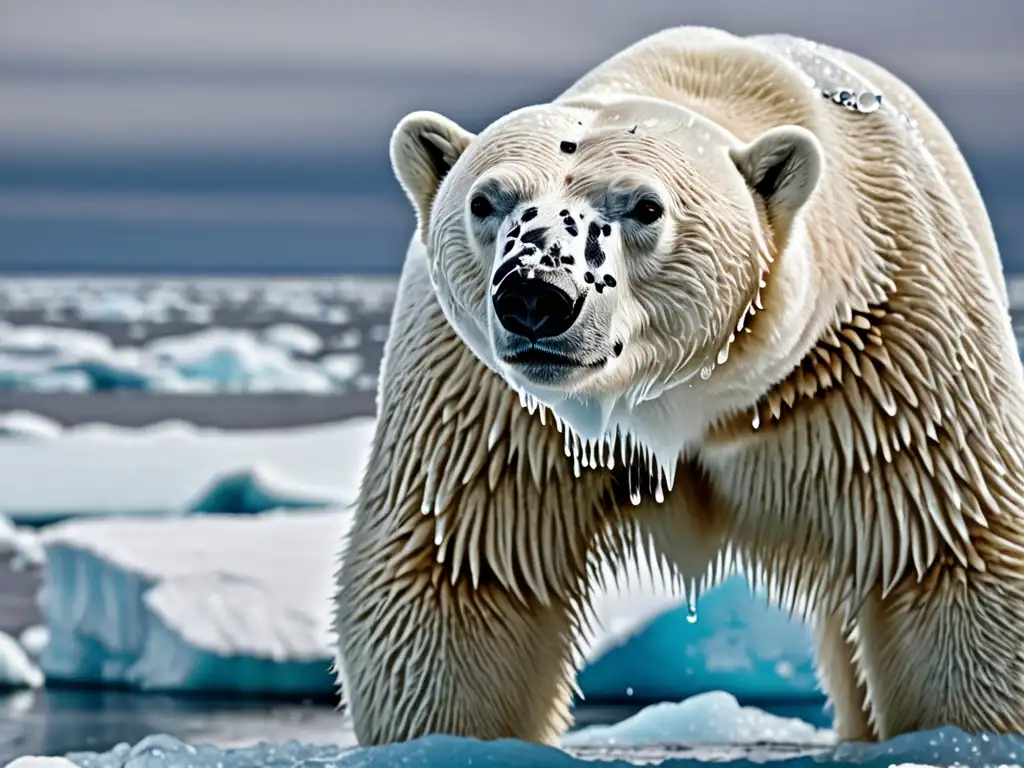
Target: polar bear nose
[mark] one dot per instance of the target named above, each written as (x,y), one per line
(533,307)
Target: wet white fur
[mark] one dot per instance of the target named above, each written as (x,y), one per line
(856,448)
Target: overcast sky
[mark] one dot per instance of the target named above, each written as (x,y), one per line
(299,97)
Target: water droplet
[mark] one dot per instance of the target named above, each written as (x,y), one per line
(691,608)
(868,101)
(629,691)
(634,478)
(705,372)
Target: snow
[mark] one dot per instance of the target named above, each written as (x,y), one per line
(176,465)
(16,669)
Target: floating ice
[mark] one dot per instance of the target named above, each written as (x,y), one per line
(20,545)
(214,359)
(23,424)
(293,338)
(34,640)
(710,718)
(288,467)
(342,367)
(236,360)
(208,602)
(30,761)
(197,300)
(259,489)
(16,669)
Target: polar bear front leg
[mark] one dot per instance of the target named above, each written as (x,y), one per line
(464,571)
(945,651)
(837,671)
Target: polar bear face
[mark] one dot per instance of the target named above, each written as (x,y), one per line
(598,254)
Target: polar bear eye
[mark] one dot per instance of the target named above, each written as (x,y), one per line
(647,211)
(480,207)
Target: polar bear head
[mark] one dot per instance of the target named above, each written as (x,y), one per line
(601,253)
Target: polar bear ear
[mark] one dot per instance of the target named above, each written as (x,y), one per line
(782,166)
(424,147)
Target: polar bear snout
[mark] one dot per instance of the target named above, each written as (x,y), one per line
(535,307)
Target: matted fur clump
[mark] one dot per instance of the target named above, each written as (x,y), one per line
(732,301)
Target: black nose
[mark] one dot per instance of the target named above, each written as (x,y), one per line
(533,307)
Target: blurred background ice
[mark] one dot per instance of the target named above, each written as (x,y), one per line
(199,243)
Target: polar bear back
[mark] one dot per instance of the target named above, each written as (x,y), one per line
(751,84)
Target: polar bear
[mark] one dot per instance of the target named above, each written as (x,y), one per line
(732,301)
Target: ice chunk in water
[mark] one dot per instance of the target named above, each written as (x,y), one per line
(708,718)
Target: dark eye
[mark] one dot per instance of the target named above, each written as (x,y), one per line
(647,211)
(481,207)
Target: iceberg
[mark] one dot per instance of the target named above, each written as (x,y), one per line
(736,642)
(207,602)
(186,466)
